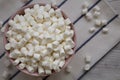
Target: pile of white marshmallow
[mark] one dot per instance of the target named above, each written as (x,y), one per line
(40,40)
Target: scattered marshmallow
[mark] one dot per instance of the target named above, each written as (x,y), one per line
(104,22)
(96,8)
(89,16)
(98,23)
(84,11)
(85,5)
(105,30)
(96,14)
(87,67)
(91,30)
(87,59)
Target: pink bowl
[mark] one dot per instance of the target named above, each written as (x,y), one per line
(21,12)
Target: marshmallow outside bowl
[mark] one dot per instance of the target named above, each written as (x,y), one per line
(21,12)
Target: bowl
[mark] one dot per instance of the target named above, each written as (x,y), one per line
(21,12)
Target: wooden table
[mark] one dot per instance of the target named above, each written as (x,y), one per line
(109,67)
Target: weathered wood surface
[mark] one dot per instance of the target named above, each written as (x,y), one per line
(107,69)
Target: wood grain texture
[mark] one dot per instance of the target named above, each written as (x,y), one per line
(109,67)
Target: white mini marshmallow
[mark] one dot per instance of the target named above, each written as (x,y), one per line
(105,30)
(68,33)
(47,71)
(47,7)
(29,46)
(58,13)
(60,37)
(46,16)
(49,46)
(104,22)
(40,70)
(96,14)
(30,69)
(54,19)
(62,52)
(9,33)
(27,36)
(61,64)
(47,24)
(85,5)
(8,46)
(89,16)
(22,65)
(56,55)
(67,47)
(16,62)
(70,42)
(52,12)
(56,62)
(51,29)
(17,52)
(44,53)
(24,50)
(35,42)
(11,23)
(57,31)
(55,44)
(87,67)
(87,58)
(84,11)
(67,21)
(36,56)
(30,53)
(70,52)
(37,48)
(96,8)
(27,10)
(45,63)
(19,37)
(22,59)
(98,23)
(92,29)
(36,6)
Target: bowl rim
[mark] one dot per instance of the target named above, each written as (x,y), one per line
(21,11)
